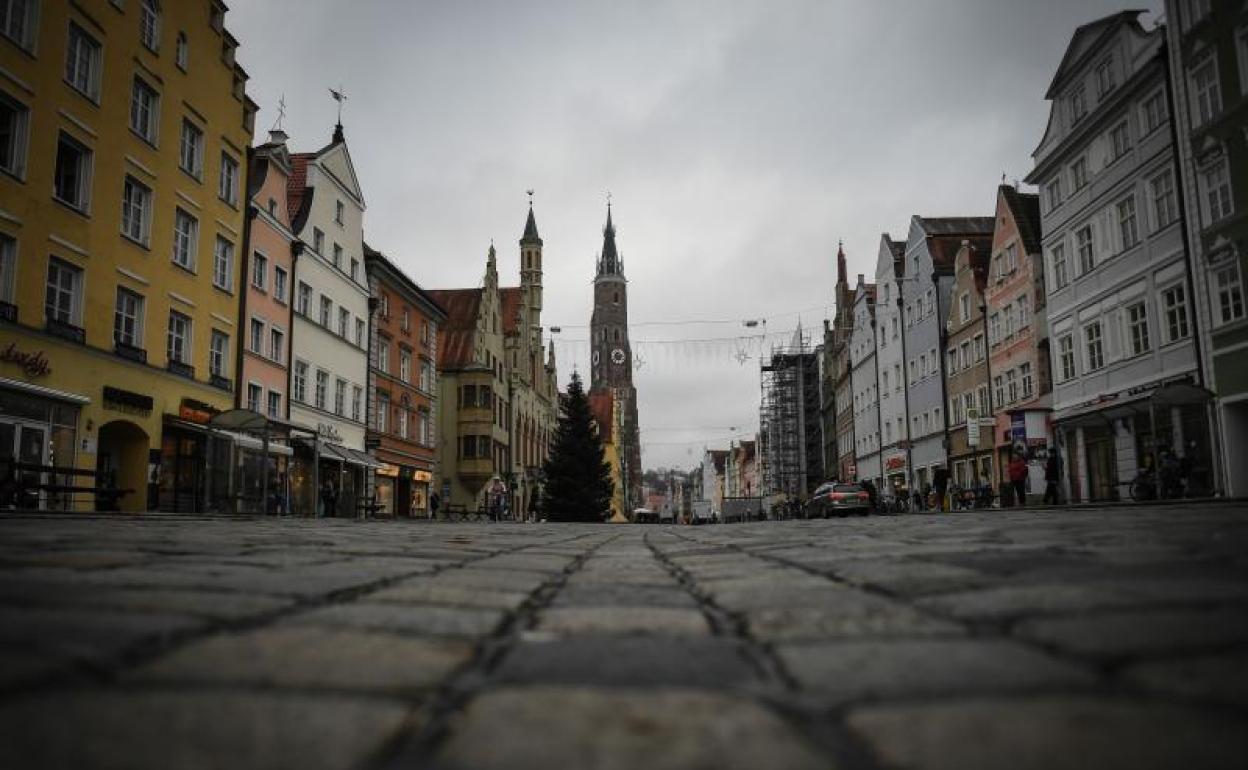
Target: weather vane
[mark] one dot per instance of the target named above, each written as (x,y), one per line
(608,199)
(530,194)
(281,113)
(340,96)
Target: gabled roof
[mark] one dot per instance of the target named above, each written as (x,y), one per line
(455,340)
(297,184)
(1087,37)
(718,456)
(963,226)
(512,298)
(1025,208)
(395,275)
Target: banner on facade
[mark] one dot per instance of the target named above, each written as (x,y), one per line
(972,427)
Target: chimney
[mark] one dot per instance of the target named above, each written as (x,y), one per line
(860,279)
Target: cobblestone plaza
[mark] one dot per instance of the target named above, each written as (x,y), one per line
(1104,638)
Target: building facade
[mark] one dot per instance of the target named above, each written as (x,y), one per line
(894,419)
(1127,387)
(843,401)
(124,137)
(926,285)
(402,388)
(1208,57)
(331,474)
(864,379)
(1020,397)
(966,367)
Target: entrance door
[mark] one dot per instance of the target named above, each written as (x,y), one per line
(32,447)
(1102,478)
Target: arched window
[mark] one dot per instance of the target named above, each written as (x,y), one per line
(616,298)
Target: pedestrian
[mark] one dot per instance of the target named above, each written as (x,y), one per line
(941,479)
(1052,475)
(1018,478)
(434,502)
(329,499)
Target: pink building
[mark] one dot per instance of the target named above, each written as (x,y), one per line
(1018,341)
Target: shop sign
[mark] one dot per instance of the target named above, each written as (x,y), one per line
(972,427)
(424,476)
(388,470)
(34,364)
(895,463)
(328,432)
(1018,427)
(126,401)
(197,411)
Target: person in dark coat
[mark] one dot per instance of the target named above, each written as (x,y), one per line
(1052,475)
(1017,471)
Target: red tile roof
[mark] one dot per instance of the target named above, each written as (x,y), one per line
(455,339)
(297,182)
(601,404)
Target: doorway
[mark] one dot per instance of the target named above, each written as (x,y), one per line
(121,463)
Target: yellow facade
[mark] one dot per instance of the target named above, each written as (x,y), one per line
(92,250)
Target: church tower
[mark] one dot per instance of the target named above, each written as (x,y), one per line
(531,279)
(611,357)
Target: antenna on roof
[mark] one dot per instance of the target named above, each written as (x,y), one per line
(281,113)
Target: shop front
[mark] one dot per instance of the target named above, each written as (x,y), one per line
(895,468)
(195,462)
(38,427)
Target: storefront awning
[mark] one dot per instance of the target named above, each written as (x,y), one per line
(348,455)
(254,444)
(39,390)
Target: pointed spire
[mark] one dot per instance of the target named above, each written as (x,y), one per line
(530,228)
(610,264)
(842,273)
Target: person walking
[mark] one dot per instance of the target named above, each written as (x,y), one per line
(1052,475)
(329,499)
(1018,478)
(434,501)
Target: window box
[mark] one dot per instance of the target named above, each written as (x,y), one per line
(224,383)
(66,331)
(130,352)
(182,370)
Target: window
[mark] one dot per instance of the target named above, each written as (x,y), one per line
(136,210)
(182,53)
(300,382)
(359,332)
(1083,243)
(72,184)
(14,120)
(383,354)
(1194,11)
(952,366)
(344,322)
(930,302)
(1010,321)
(383,412)
(222,263)
(405,366)
(128,319)
(1127,228)
(1119,140)
(277,344)
(977,347)
(357,399)
(1078,105)
(1241,46)
(1079,174)
(218,353)
(1060,277)
(275,404)
(318,241)
(385,305)
(227,190)
(63,301)
(994,328)
(964,308)
(279,283)
(149,24)
(327,312)
(426,375)
(1137,328)
(1165,204)
(1054,193)
(144,110)
(254,394)
(1174,302)
(1105,78)
(17,21)
(1011,386)
(338,211)
(179,343)
(259,271)
(1216,183)
(1094,346)
(8,267)
(400,419)
(257,335)
(191,149)
(1206,99)
(1066,357)
(1155,112)
(337,256)
(1229,293)
(82,62)
(422,426)
(406,322)
(1024,312)
(304,302)
(340,396)
(322,385)
(998,387)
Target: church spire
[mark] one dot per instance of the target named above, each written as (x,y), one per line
(530,227)
(842,274)
(610,263)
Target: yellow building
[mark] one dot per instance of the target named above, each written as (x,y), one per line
(125,129)
(609,419)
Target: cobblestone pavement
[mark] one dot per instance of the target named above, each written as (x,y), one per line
(1112,638)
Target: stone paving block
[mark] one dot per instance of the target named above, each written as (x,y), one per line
(435,590)
(1221,678)
(163,730)
(622,595)
(800,592)
(909,577)
(851,616)
(842,672)
(1013,601)
(1047,732)
(627,661)
(425,620)
(84,634)
(296,656)
(613,730)
(1140,632)
(496,579)
(221,605)
(677,621)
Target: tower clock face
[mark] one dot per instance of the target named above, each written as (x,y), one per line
(617,356)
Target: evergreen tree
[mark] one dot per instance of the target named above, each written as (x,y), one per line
(578,479)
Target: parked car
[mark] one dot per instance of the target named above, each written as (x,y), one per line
(834,498)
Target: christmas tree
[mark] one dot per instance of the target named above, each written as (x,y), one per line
(578,479)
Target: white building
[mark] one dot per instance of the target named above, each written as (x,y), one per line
(864,383)
(890,361)
(329,372)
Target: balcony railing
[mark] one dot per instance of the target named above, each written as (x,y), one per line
(130,352)
(66,331)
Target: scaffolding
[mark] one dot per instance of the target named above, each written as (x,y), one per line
(790,430)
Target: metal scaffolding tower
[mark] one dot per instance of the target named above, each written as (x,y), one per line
(790,441)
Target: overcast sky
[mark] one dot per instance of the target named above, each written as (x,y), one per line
(739,140)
